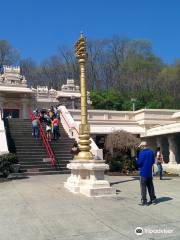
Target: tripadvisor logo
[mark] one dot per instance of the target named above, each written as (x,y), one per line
(138,231)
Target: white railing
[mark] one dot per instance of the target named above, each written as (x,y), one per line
(72,129)
(3,140)
(104,115)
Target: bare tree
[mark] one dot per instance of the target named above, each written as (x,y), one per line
(8,54)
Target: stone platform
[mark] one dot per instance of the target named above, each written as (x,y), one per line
(87,177)
(172,168)
(41,208)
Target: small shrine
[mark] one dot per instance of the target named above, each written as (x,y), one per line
(10,76)
(69,95)
(16,99)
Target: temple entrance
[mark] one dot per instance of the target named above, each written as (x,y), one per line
(11,113)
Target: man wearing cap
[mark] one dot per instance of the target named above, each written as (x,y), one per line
(145,162)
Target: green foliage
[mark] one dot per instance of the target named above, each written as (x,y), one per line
(10,158)
(107,100)
(6,162)
(122,163)
(119,101)
(115,165)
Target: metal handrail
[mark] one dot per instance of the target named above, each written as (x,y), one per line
(45,142)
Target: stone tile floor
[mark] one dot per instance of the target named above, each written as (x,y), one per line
(40,208)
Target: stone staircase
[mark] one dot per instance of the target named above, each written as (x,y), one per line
(62,148)
(31,153)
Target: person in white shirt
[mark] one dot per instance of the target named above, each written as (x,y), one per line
(159,161)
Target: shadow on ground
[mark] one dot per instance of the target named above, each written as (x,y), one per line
(128,180)
(2,179)
(166,179)
(11,177)
(163,199)
(163,178)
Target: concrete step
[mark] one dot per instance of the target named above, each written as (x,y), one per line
(29,173)
(22,158)
(27,138)
(34,155)
(29,162)
(41,166)
(31,151)
(53,169)
(29,166)
(36,151)
(44,154)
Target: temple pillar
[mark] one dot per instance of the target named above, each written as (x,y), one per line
(25,113)
(172,149)
(1,105)
(73,102)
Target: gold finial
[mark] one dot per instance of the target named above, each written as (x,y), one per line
(80,48)
(81,34)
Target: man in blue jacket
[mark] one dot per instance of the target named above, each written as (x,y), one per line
(145,162)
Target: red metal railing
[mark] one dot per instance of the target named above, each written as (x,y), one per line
(45,142)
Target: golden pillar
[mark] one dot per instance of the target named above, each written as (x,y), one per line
(84,128)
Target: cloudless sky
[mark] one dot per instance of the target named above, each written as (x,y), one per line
(38,27)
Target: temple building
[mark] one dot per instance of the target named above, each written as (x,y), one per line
(69,96)
(160,127)
(15,96)
(17,99)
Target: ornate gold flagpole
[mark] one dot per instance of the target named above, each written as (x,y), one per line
(84,128)
(87,174)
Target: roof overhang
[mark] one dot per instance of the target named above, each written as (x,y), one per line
(163,130)
(61,94)
(16,89)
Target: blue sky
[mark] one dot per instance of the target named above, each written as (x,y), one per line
(38,27)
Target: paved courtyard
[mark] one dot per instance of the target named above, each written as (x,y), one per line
(39,208)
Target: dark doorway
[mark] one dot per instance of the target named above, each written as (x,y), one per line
(165,147)
(11,113)
(177,139)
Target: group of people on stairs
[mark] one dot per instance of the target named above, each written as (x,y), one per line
(51,119)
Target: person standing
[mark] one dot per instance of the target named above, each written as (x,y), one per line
(51,113)
(159,161)
(48,131)
(35,127)
(145,162)
(75,149)
(56,132)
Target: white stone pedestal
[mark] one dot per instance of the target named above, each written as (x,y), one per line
(172,168)
(87,177)
(172,150)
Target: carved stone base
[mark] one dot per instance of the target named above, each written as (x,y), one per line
(87,177)
(171,168)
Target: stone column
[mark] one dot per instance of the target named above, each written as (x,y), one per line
(1,106)
(25,113)
(172,149)
(72,102)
